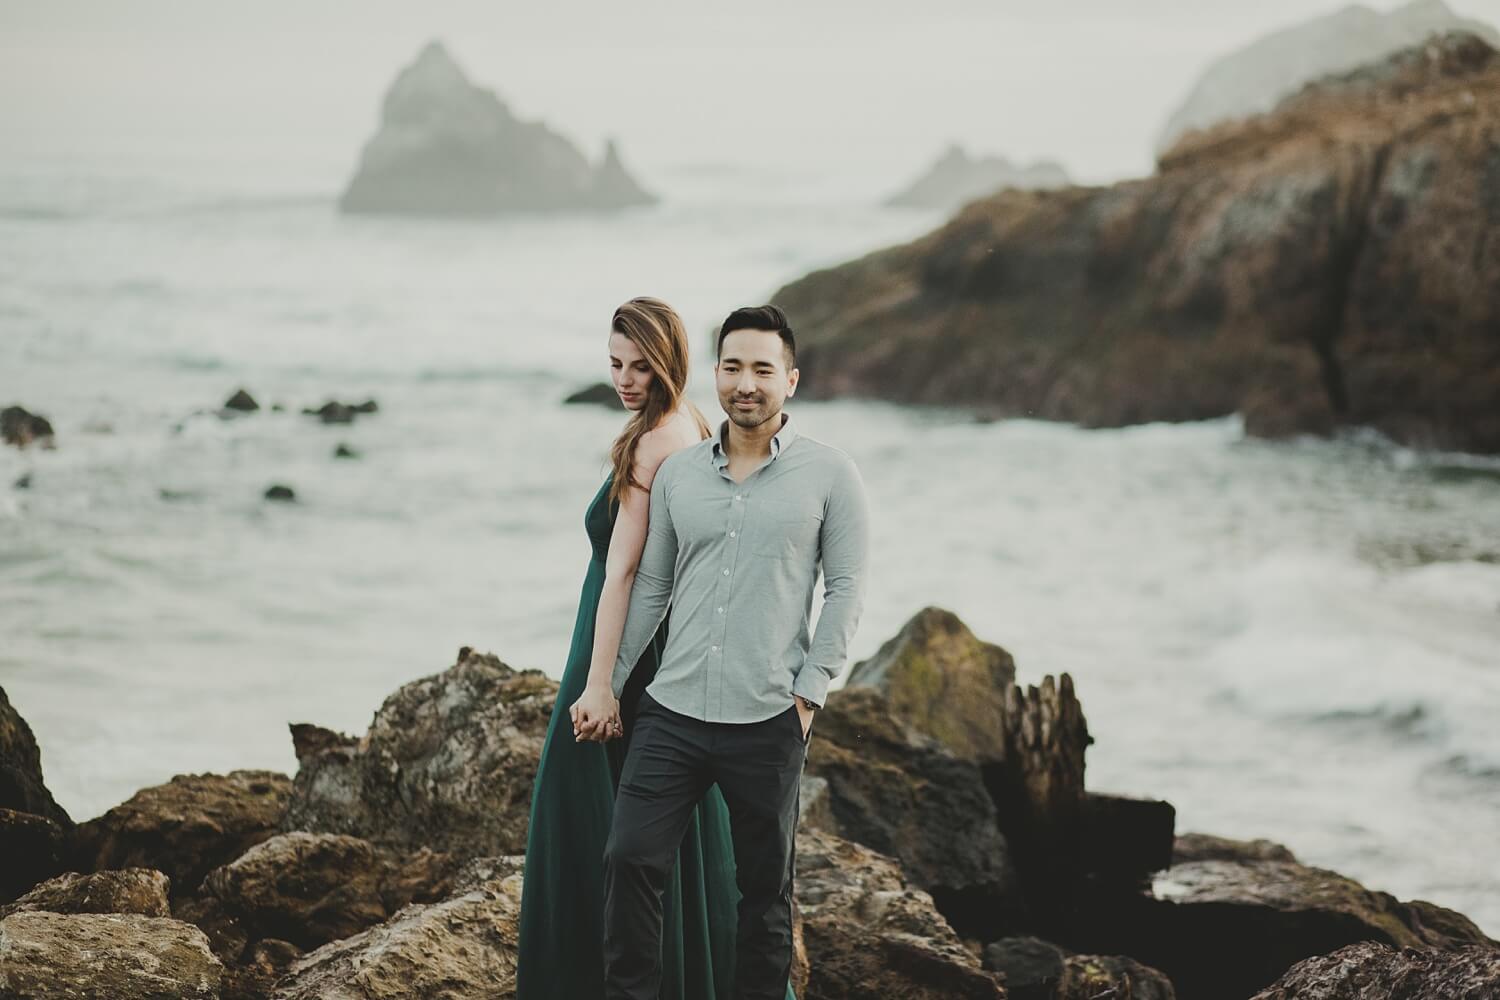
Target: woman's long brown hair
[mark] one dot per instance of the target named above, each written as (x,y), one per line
(658,332)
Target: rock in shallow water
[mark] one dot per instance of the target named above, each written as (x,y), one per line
(20,427)
(600,393)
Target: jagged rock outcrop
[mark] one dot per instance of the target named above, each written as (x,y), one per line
(871,936)
(463,946)
(448,147)
(956,177)
(1252,79)
(21,784)
(191,824)
(1371,971)
(900,747)
(902,794)
(1194,922)
(1208,847)
(941,680)
(1333,263)
(33,848)
(306,888)
(1039,970)
(448,763)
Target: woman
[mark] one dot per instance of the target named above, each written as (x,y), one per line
(562,904)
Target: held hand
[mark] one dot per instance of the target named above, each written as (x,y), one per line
(596,715)
(805,713)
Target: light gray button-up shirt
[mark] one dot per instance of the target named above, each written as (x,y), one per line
(737,562)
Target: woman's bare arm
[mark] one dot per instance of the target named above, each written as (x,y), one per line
(598,706)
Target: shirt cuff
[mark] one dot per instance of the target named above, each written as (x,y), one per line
(811,684)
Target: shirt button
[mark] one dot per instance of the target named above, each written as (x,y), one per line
(732,534)
(726,570)
(721,609)
(714,648)
(738,497)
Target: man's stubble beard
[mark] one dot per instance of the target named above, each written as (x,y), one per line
(751,419)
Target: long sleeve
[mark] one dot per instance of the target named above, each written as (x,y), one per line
(652,590)
(844,542)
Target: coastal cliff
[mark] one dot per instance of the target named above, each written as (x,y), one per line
(1335,262)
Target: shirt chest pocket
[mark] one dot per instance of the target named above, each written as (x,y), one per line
(784,530)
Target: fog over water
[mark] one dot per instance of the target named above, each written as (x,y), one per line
(868,92)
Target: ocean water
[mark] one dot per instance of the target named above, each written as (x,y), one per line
(1295,640)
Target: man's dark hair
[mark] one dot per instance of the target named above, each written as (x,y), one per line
(761,318)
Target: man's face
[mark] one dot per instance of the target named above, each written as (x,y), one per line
(751,376)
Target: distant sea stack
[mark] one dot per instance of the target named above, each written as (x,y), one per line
(1333,263)
(1253,79)
(957,178)
(447,147)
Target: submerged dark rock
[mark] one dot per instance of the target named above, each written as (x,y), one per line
(336,412)
(20,427)
(279,491)
(601,393)
(241,402)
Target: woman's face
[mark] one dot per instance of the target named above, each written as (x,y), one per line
(629,371)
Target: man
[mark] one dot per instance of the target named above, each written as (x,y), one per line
(739,526)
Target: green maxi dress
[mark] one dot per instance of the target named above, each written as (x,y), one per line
(561,947)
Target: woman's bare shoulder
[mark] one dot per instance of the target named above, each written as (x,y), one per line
(676,432)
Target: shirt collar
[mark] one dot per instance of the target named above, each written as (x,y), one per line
(779,441)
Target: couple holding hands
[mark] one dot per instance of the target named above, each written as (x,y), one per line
(660,854)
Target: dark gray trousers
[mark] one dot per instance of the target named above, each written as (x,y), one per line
(672,761)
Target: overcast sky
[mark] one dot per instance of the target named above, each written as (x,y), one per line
(874,85)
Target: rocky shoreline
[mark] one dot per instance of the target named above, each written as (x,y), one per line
(1329,264)
(947,848)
